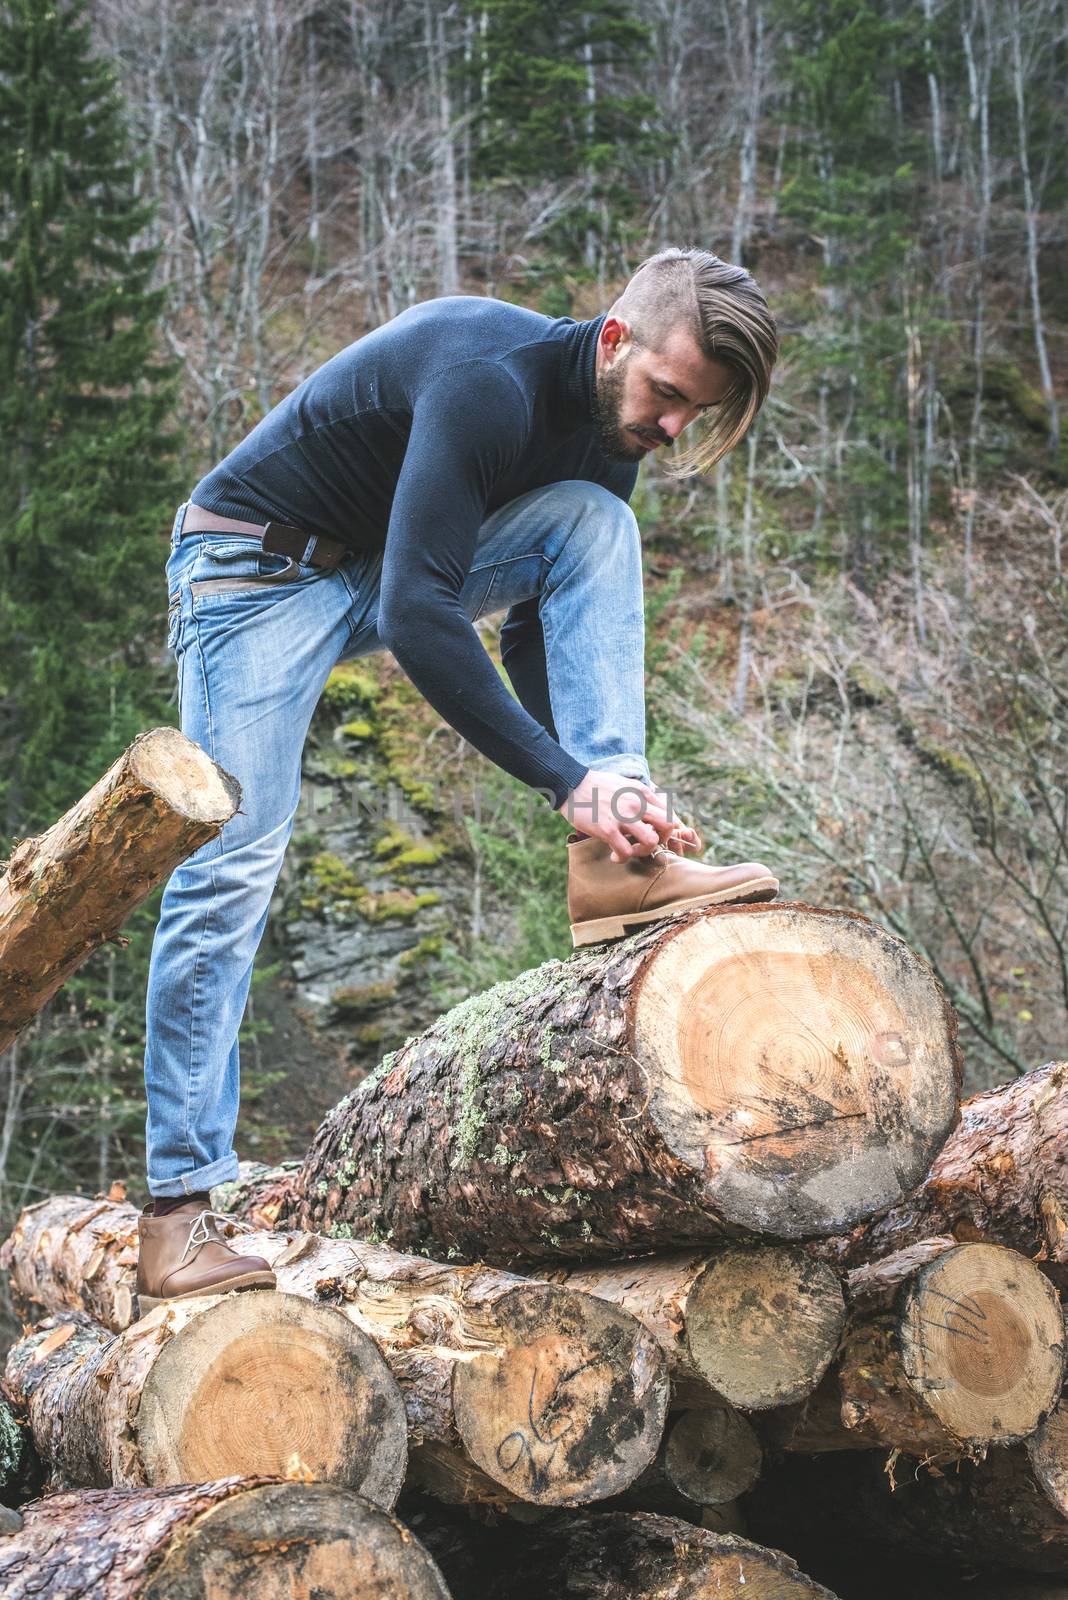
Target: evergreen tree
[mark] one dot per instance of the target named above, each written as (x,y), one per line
(552,85)
(537,115)
(852,185)
(86,492)
(86,473)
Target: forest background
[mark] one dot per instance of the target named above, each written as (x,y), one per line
(858,624)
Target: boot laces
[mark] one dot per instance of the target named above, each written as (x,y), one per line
(201,1231)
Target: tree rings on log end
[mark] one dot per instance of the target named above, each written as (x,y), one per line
(265,1383)
(177,770)
(802,1062)
(570,1406)
(982,1339)
(712,1456)
(295,1541)
(763,1324)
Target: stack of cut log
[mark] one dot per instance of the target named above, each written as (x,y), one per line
(590,1269)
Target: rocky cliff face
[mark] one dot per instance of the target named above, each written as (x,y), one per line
(377,883)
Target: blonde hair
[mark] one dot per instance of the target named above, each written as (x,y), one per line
(729,317)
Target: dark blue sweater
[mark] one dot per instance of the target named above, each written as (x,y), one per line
(406,441)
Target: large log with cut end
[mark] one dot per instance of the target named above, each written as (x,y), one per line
(1001,1176)
(66,892)
(772,1069)
(951,1348)
(234,1539)
(755,1324)
(514,1390)
(253,1384)
(610,1555)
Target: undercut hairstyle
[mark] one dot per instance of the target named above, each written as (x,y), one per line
(726,312)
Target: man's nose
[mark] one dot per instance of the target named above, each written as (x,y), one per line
(673,422)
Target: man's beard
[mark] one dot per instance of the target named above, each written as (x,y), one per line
(608,414)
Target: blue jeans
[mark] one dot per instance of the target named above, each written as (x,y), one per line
(252,663)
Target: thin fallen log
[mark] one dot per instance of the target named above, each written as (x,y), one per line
(776,1070)
(515,1390)
(68,1253)
(65,893)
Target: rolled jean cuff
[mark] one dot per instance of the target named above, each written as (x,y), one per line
(194,1182)
(628,766)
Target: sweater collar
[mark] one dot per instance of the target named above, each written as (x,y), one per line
(578,366)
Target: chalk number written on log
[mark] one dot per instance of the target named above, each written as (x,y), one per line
(550,1424)
(964,1318)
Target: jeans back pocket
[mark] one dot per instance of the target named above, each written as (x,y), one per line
(230,565)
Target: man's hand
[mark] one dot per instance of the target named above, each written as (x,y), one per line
(631,816)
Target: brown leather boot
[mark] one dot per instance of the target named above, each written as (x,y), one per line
(605,898)
(182,1255)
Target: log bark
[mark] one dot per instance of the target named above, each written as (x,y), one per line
(971,1354)
(1002,1176)
(236,1539)
(657,1091)
(263,1196)
(256,1384)
(514,1390)
(757,1325)
(609,1556)
(68,1253)
(68,891)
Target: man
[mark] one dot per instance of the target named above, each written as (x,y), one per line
(468,457)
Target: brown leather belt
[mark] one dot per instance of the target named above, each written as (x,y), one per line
(277,538)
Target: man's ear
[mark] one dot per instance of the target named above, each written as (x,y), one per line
(615,337)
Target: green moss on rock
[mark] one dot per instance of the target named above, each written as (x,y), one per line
(397,903)
(369,1033)
(357,1001)
(428,949)
(402,849)
(329,886)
